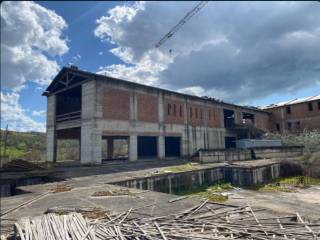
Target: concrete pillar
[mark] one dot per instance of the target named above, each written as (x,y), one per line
(91,141)
(51,129)
(91,135)
(133,106)
(161,147)
(161,107)
(133,148)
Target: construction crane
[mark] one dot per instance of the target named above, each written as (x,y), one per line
(183,21)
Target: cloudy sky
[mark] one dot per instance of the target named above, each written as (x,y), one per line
(251,53)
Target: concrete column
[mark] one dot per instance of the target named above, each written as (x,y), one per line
(91,135)
(91,141)
(133,106)
(161,107)
(133,148)
(51,129)
(161,147)
(89,96)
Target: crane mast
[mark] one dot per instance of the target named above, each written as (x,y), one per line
(183,21)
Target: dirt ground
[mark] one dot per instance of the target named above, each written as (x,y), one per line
(305,201)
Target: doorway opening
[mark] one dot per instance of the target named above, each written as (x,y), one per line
(172,146)
(147,147)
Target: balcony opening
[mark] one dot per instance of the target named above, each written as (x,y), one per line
(68,105)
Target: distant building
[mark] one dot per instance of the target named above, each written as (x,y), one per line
(295,115)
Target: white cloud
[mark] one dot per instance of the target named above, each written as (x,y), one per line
(75,59)
(237,51)
(100,53)
(16,117)
(31,36)
(40,113)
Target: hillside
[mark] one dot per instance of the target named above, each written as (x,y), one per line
(27,145)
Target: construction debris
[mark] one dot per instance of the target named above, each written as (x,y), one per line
(88,212)
(61,188)
(112,193)
(204,221)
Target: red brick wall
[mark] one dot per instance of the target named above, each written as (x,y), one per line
(147,108)
(116,104)
(196,114)
(214,117)
(262,121)
(173,111)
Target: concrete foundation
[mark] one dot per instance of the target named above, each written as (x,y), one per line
(183,181)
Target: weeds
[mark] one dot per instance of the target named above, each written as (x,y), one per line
(211,192)
(181,168)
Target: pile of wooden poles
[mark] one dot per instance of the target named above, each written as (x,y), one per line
(204,221)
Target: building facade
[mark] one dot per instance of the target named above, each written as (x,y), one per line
(295,115)
(116,119)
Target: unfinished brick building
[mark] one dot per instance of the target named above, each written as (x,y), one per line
(116,119)
(295,115)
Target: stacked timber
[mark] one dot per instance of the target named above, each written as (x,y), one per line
(204,221)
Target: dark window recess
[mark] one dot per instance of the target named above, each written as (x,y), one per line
(174,110)
(147,146)
(200,113)
(230,142)
(288,110)
(180,111)
(319,105)
(310,106)
(172,146)
(196,110)
(298,124)
(289,125)
(228,116)
(278,126)
(209,114)
(190,112)
(247,118)
(169,108)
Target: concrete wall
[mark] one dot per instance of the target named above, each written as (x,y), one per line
(185,181)
(278,152)
(223,155)
(226,155)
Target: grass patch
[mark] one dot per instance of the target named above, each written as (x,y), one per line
(211,192)
(272,187)
(288,184)
(299,181)
(181,168)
